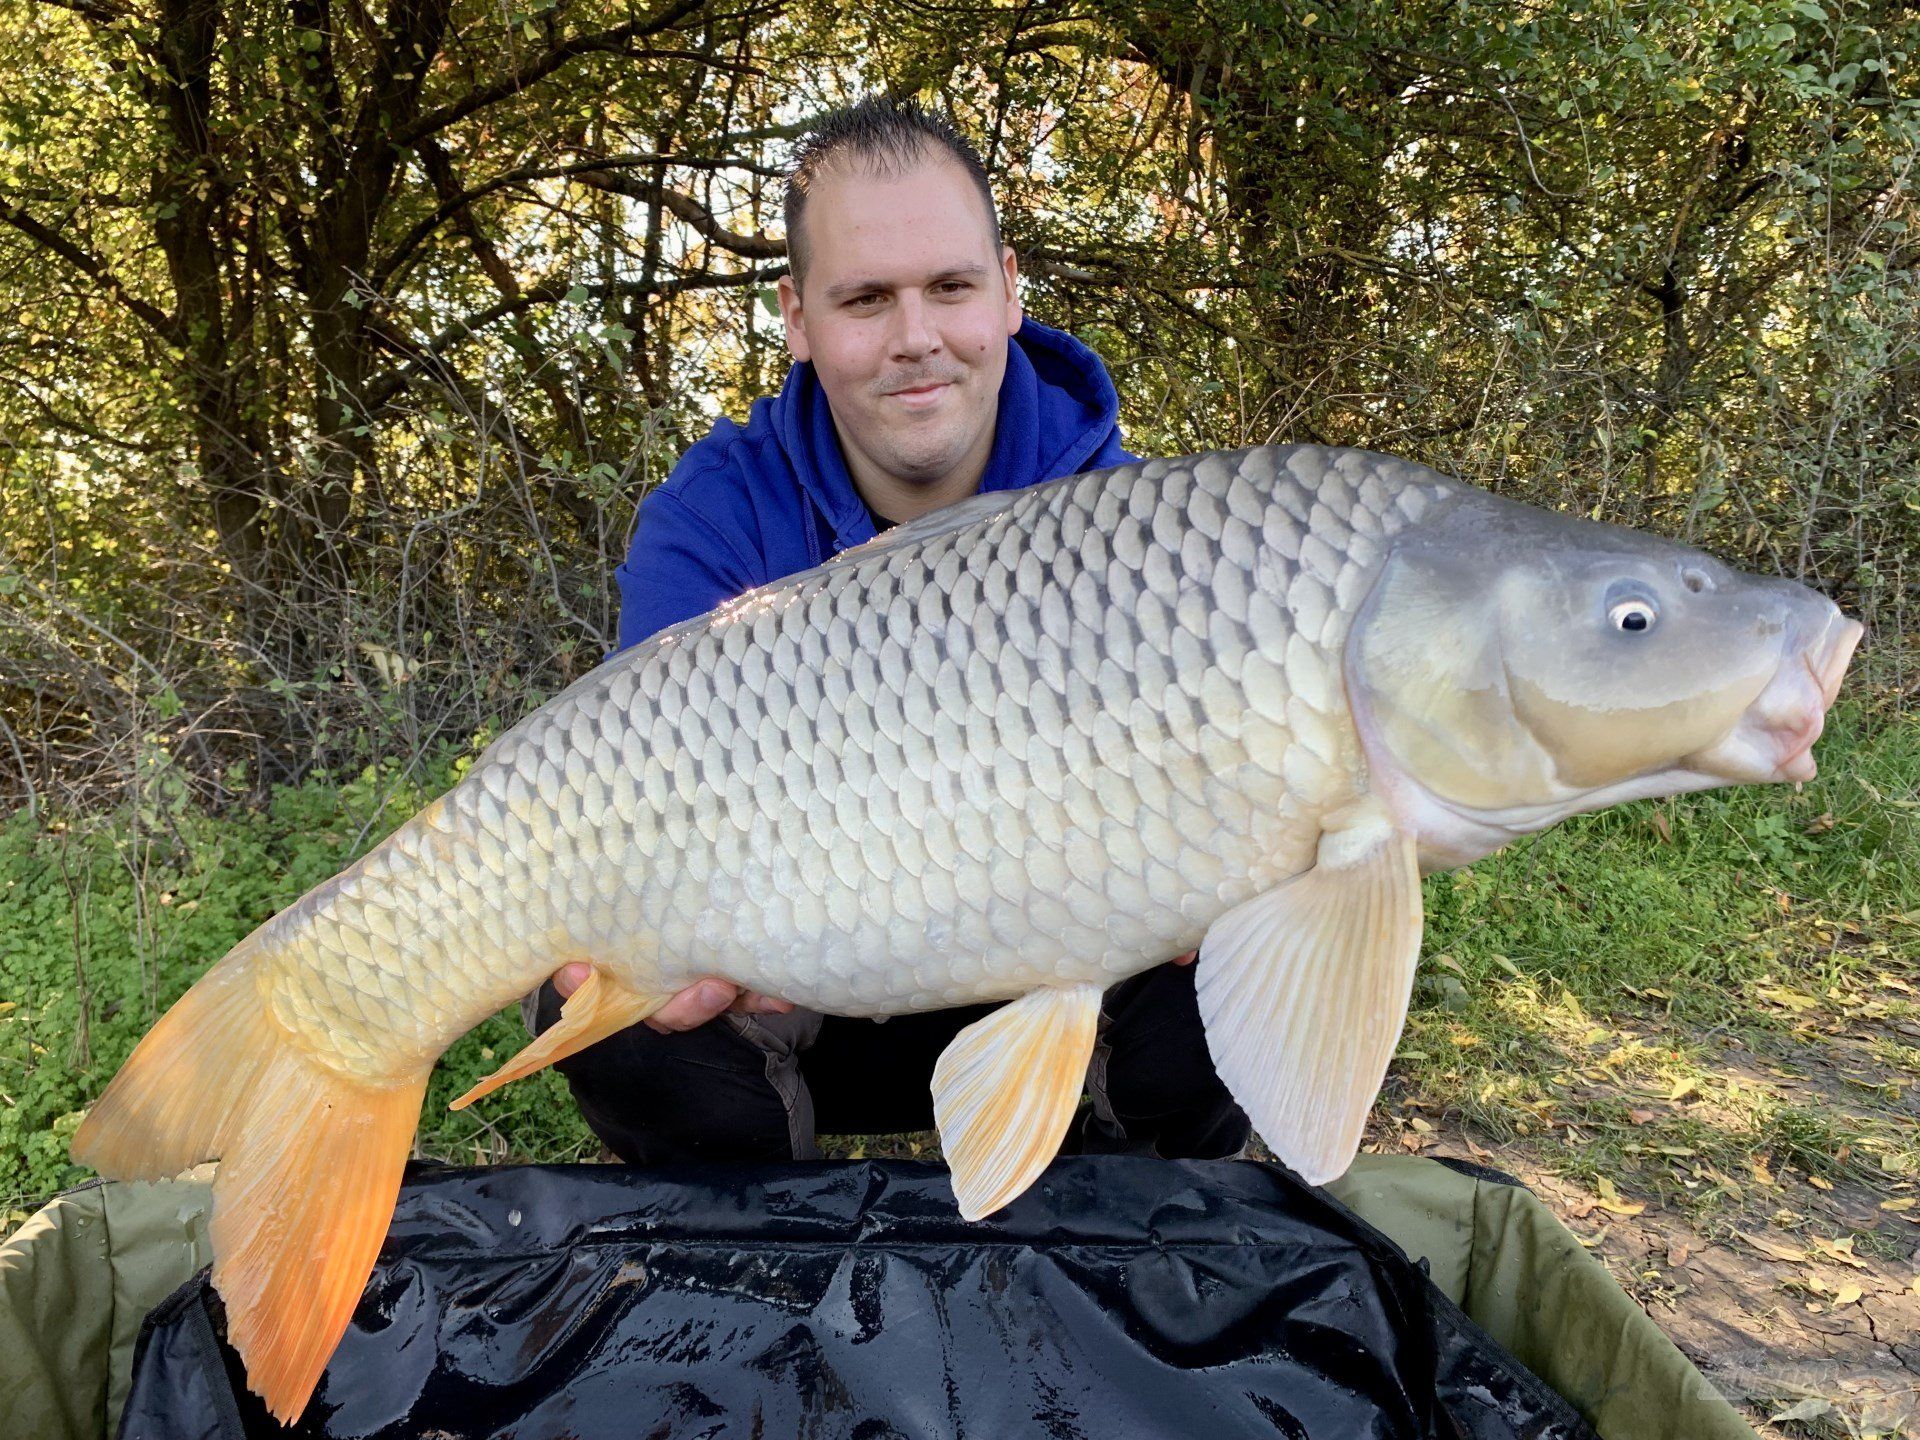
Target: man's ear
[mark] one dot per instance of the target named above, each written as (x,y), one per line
(796,322)
(1010,268)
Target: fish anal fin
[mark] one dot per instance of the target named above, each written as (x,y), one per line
(1303,991)
(1004,1092)
(599,1008)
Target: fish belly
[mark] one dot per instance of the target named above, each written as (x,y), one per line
(1045,739)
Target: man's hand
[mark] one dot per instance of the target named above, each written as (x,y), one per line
(693,1006)
(1186,959)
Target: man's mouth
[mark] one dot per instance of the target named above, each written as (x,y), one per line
(919,395)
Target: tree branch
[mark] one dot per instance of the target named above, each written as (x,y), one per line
(381,276)
(542,66)
(754,247)
(90,265)
(94,10)
(382,390)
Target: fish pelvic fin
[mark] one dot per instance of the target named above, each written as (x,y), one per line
(599,1008)
(310,1166)
(1004,1092)
(1303,991)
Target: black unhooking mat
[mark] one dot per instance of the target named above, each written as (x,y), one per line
(1119,1297)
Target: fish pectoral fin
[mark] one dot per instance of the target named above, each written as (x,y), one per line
(1303,991)
(599,1008)
(1005,1089)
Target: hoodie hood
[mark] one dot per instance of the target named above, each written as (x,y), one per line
(1058,413)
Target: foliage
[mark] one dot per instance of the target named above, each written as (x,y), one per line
(341,346)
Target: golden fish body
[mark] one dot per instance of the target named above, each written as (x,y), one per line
(1048,744)
(1018,750)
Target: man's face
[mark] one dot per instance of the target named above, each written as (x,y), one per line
(905,315)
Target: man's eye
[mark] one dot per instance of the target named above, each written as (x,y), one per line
(863,302)
(953,287)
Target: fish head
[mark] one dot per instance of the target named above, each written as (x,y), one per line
(1514,666)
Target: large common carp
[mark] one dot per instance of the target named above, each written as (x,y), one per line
(1016,750)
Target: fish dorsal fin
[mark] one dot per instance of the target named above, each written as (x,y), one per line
(1005,1089)
(1303,991)
(599,1008)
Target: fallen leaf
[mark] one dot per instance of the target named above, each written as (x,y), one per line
(1677,1254)
(1847,1295)
(1819,1183)
(1811,1409)
(1683,1088)
(1841,1250)
(1611,1202)
(1641,1117)
(1761,1174)
(1905,1202)
(1773,1251)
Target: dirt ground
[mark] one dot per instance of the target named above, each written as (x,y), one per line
(1799,1297)
(1808,1329)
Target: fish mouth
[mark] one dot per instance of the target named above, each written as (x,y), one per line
(1774,739)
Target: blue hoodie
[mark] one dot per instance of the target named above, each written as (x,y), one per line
(745,507)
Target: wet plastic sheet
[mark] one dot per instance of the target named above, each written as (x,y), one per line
(1119,1297)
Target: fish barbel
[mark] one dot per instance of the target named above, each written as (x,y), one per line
(1018,750)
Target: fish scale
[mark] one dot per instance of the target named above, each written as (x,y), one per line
(1046,746)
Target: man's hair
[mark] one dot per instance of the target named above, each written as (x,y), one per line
(888,137)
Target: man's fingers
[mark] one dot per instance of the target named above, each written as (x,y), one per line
(569,978)
(1186,959)
(695,1005)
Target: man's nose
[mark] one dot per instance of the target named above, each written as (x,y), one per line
(913,331)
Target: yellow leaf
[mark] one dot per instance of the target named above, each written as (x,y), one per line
(1841,1250)
(1683,1088)
(1611,1202)
(1905,1202)
(1848,1294)
(1818,1183)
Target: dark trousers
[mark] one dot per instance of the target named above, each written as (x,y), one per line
(762,1087)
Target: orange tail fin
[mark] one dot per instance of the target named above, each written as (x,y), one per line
(310,1164)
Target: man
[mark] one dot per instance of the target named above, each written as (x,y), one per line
(917,383)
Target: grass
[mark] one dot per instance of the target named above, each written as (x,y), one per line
(1693,998)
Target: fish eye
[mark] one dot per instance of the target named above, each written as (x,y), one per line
(1635,616)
